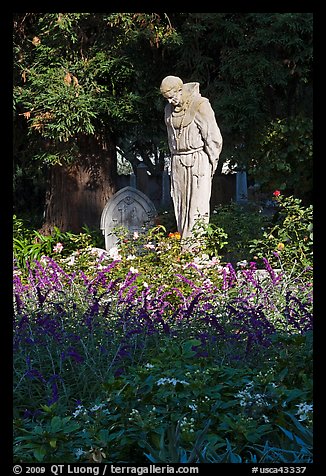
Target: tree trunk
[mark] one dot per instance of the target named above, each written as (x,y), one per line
(78,192)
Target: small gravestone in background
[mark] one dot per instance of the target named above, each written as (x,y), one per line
(241,187)
(129,208)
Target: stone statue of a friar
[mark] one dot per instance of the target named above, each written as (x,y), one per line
(195,143)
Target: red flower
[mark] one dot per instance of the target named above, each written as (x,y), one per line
(277,193)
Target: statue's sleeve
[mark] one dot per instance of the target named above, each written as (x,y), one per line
(211,134)
(167,115)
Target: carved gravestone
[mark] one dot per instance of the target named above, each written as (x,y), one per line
(129,208)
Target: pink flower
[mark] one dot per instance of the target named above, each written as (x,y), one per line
(58,248)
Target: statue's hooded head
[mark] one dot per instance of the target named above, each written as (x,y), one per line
(171,83)
(171,89)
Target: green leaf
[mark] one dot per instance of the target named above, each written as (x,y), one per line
(56,424)
(39,453)
(287,433)
(104,436)
(187,347)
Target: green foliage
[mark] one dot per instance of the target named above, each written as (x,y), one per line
(289,235)
(74,74)
(49,440)
(285,158)
(242,224)
(207,238)
(29,244)
(173,407)
(235,233)
(300,450)
(264,69)
(253,67)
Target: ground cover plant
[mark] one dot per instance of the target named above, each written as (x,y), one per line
(146,354)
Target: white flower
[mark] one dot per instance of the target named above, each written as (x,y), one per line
(243,263)
(97,407)
(133,270)
(130,257)
(79,409)
(303,411)
(174,381)
(304,407)
(71,261)
(79,452)
(207,282)
(43,259)
(114,253)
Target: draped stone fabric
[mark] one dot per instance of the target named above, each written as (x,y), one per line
(195,143)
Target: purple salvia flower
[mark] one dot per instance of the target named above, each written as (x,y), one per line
(59,271)
(253,265)
(72,354)
(49,325)
(35,374)
(194,302)
(41,298)
(196,268)
(250,277)
(84,278)
(229,277)
(275,279)
(41,275)
(297,314)
(19,303)
(187,281)
(18,286)
(31,414)
(103,272)
(89,316)
(130,296)
(54,389)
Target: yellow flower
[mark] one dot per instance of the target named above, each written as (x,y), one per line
(280,246)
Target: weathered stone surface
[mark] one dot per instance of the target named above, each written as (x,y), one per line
(195,143)
(129,208)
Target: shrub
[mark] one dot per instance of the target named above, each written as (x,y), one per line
(289,235)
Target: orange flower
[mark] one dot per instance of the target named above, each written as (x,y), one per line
(280,246)
(175,235)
